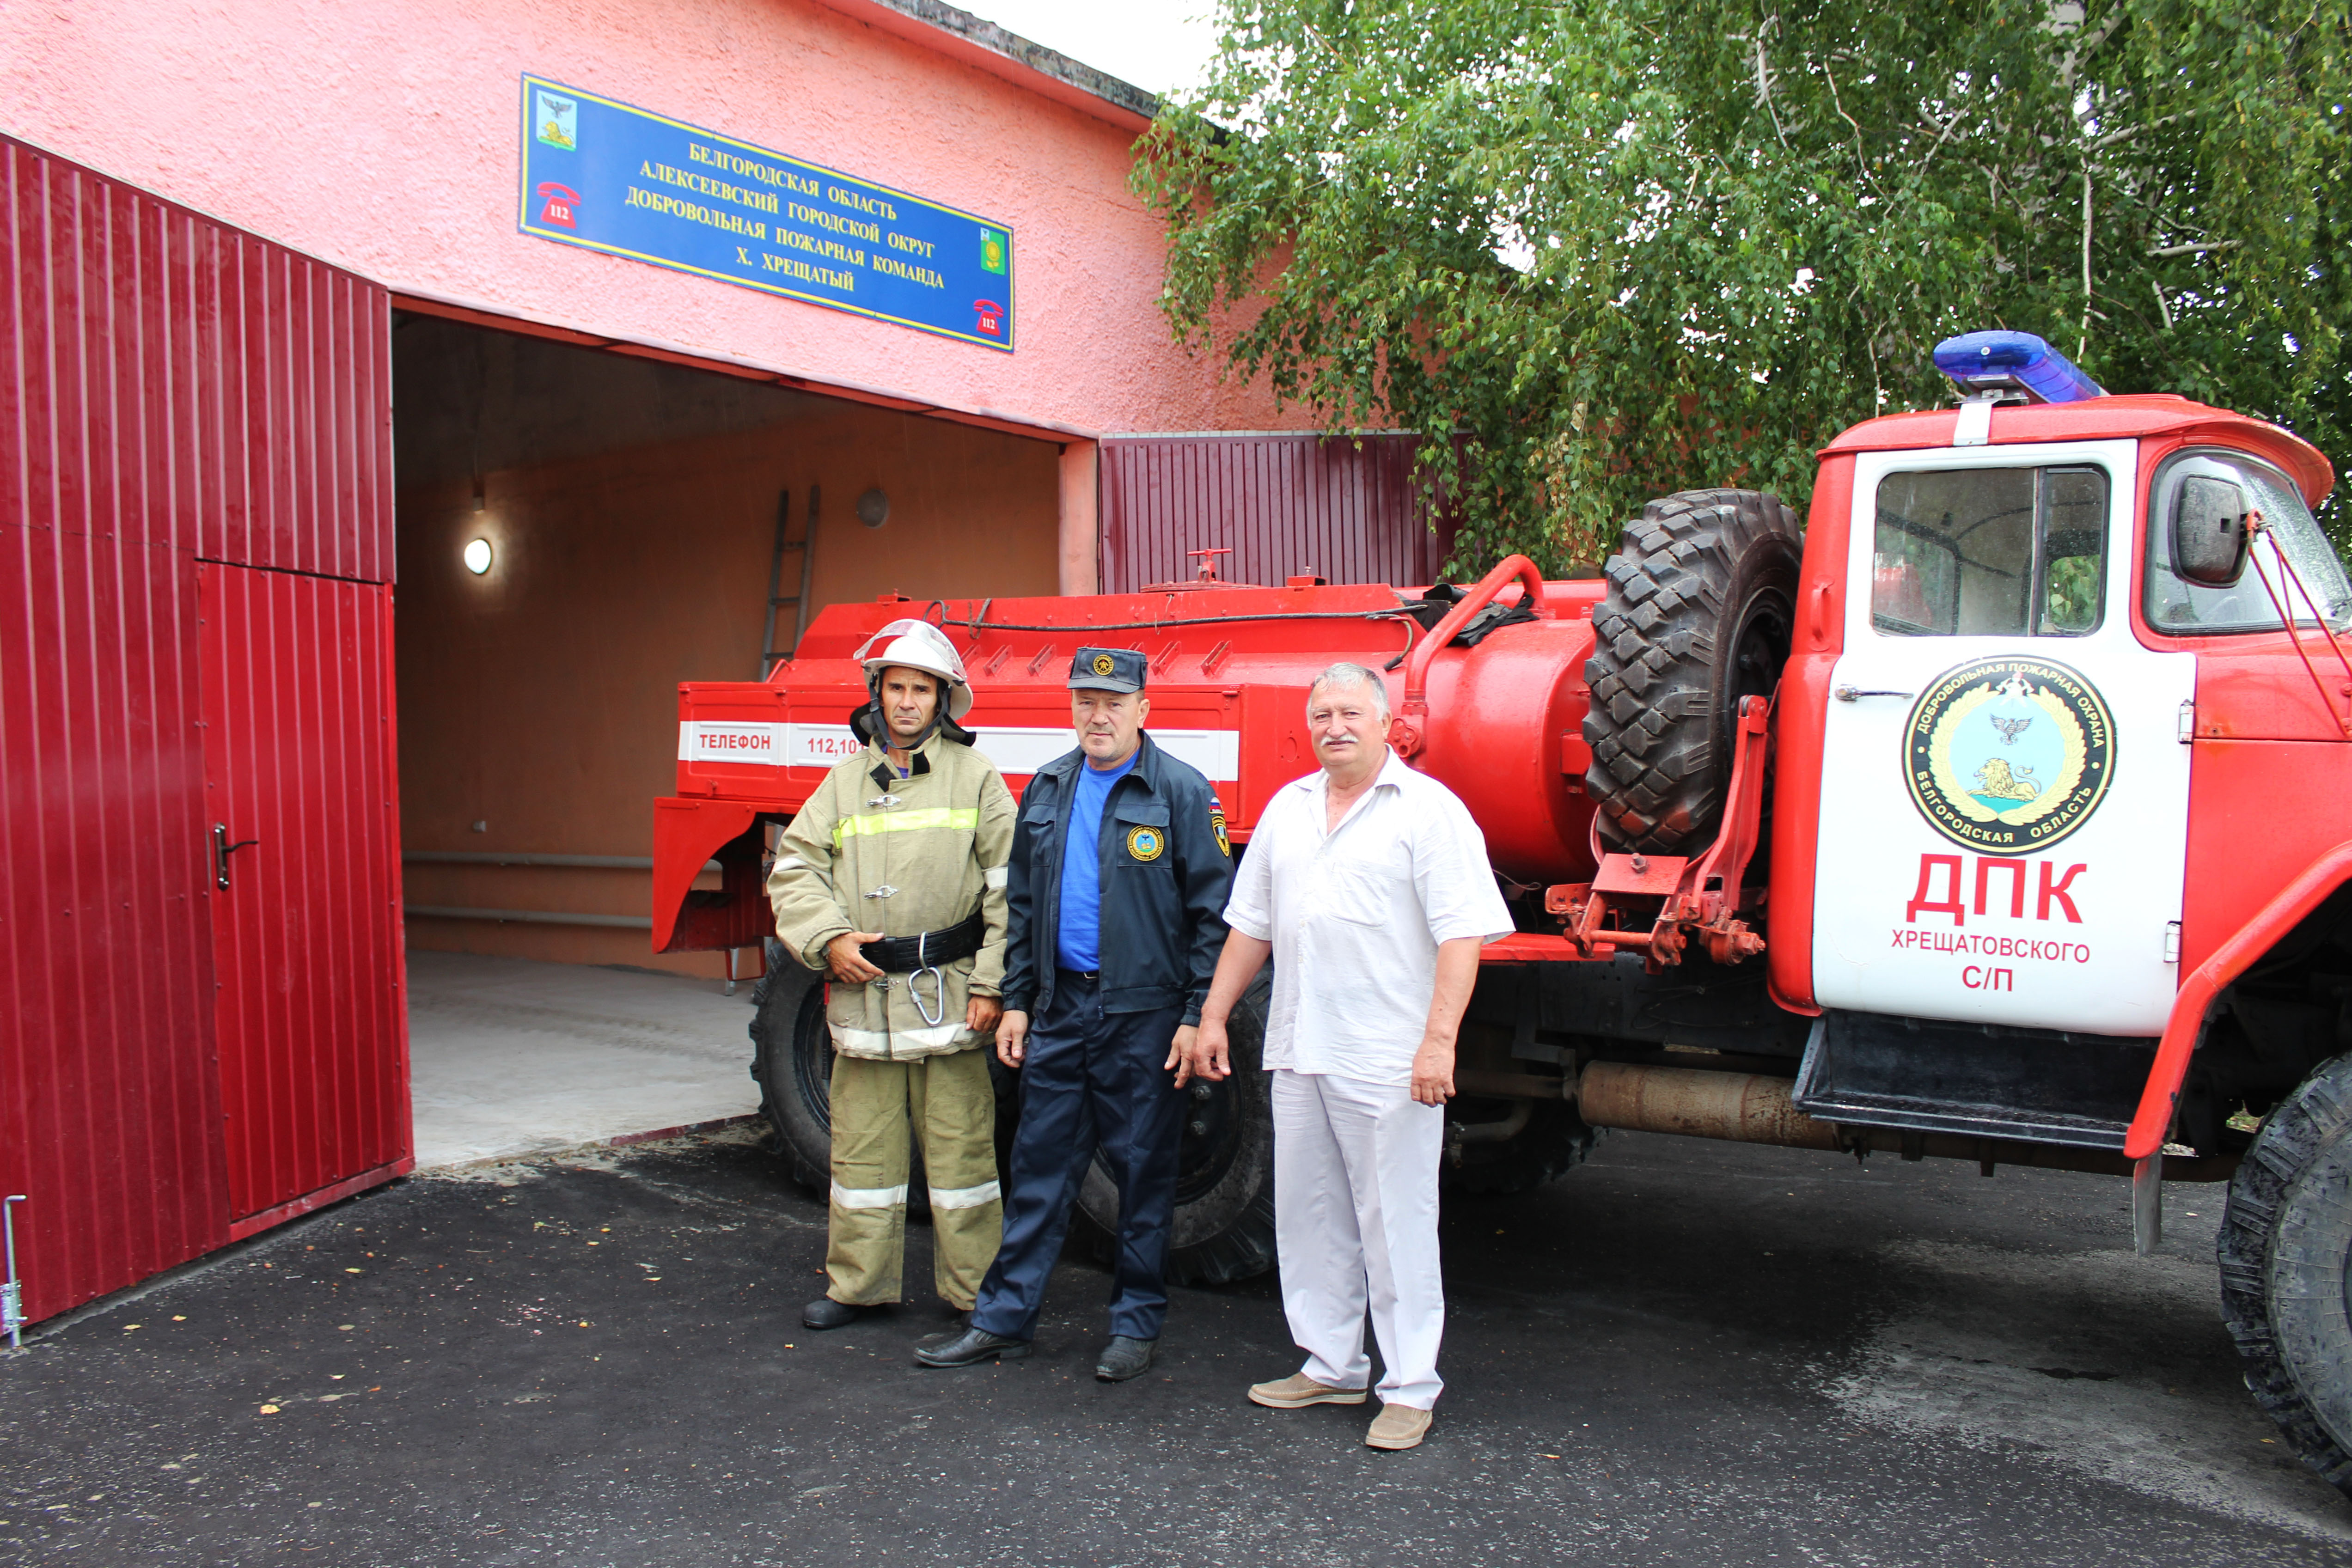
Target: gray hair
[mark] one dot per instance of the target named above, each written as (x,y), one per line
(1344,675)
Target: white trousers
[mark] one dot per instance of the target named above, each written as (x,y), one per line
(1355,1223)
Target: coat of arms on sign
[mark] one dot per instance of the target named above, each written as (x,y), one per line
(556,121)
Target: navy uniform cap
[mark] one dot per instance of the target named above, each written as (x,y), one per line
(1106,670)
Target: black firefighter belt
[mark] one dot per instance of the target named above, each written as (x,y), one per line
(929,950)
(922,954)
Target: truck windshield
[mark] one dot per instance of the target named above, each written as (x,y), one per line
(2174,604)
(1990,552)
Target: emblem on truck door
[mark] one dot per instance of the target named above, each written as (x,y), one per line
(2006,757)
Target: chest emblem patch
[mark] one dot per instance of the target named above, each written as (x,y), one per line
(1145,843)
(2009,756)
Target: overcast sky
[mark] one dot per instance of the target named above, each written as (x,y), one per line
(1154,44)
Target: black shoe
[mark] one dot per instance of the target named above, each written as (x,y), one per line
(959,1319)
(970,1348)
(824,1313)
(1124,1358)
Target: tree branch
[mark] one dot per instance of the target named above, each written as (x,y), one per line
(1861,153)
(1764,77)
(2083,343)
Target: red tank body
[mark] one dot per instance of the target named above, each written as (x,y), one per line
(1229,669)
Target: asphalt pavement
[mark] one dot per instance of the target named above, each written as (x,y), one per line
(1684,1353)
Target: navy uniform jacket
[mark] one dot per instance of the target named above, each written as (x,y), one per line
(1166,869)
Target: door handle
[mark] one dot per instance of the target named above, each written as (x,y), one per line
(1848,694)
(222,850)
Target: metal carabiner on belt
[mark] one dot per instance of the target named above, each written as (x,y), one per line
(938,1010)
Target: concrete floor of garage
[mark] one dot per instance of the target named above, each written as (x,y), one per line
(508,1057)
(1682,1354)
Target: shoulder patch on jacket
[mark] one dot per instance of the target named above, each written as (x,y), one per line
(1217,826)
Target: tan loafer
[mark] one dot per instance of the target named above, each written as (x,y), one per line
(1398,1427)
(1299,1389)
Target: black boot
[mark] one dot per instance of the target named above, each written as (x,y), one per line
(1124,1358)
(824,1313)
(970,1348)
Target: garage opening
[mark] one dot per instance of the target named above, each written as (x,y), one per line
(581,530)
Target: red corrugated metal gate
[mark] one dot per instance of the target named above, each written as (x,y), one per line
(196,564)
(1343,508)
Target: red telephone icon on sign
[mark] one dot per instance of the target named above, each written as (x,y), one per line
(990,315)
(562,203)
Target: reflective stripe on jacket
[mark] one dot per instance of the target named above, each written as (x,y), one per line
(1165,872)
(873,852)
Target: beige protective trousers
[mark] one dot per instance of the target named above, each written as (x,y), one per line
(952,1107)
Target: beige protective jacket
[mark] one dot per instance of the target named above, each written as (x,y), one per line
(873,852)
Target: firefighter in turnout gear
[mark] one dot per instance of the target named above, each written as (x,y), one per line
(891,882)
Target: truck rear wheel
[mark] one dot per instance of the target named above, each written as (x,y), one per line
(2285,1248)
(792,1060)
(1699,612)
(1555,1140)
(1225,1170)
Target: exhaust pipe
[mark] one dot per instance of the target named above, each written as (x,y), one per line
(1741,1107)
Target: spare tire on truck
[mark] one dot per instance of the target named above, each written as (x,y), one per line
(2285,1250)
(1699,612)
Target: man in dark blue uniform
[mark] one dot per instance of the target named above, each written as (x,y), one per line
(1116,896)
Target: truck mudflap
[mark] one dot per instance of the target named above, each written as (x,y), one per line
(687,836)
(2190,1007)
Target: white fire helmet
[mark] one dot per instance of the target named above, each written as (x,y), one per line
(918,645)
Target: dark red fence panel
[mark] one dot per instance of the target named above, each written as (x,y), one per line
(172,389)
(108,1087)
(1344,508)
(213,392)
(302,357)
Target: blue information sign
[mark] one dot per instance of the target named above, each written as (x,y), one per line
(602,174)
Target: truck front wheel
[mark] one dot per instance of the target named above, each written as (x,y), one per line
(2286,1252)
(792,1060)
(1699,611)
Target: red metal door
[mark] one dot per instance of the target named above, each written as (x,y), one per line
(299,799)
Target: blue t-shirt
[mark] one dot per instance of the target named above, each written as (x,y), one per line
(1078,935)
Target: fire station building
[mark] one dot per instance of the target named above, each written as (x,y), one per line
(403,399)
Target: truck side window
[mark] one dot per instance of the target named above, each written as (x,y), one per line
(1990,552)
(2208,481)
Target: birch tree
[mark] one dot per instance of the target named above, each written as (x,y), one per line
(1600,250)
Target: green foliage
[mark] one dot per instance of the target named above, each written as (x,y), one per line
(1729,231)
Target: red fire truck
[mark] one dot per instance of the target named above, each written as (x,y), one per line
(2002,813)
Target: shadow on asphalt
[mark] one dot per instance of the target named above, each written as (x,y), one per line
(1683,1353)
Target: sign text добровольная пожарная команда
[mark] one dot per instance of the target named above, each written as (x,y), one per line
(612,178)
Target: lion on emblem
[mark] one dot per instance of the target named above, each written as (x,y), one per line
(1995,780)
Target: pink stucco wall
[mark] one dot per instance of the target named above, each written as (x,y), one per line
(380,135)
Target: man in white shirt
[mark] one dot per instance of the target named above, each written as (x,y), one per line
(1369,884)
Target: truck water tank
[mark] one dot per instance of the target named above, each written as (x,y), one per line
(1505,731)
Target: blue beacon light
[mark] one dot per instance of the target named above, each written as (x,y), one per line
(1996,361)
